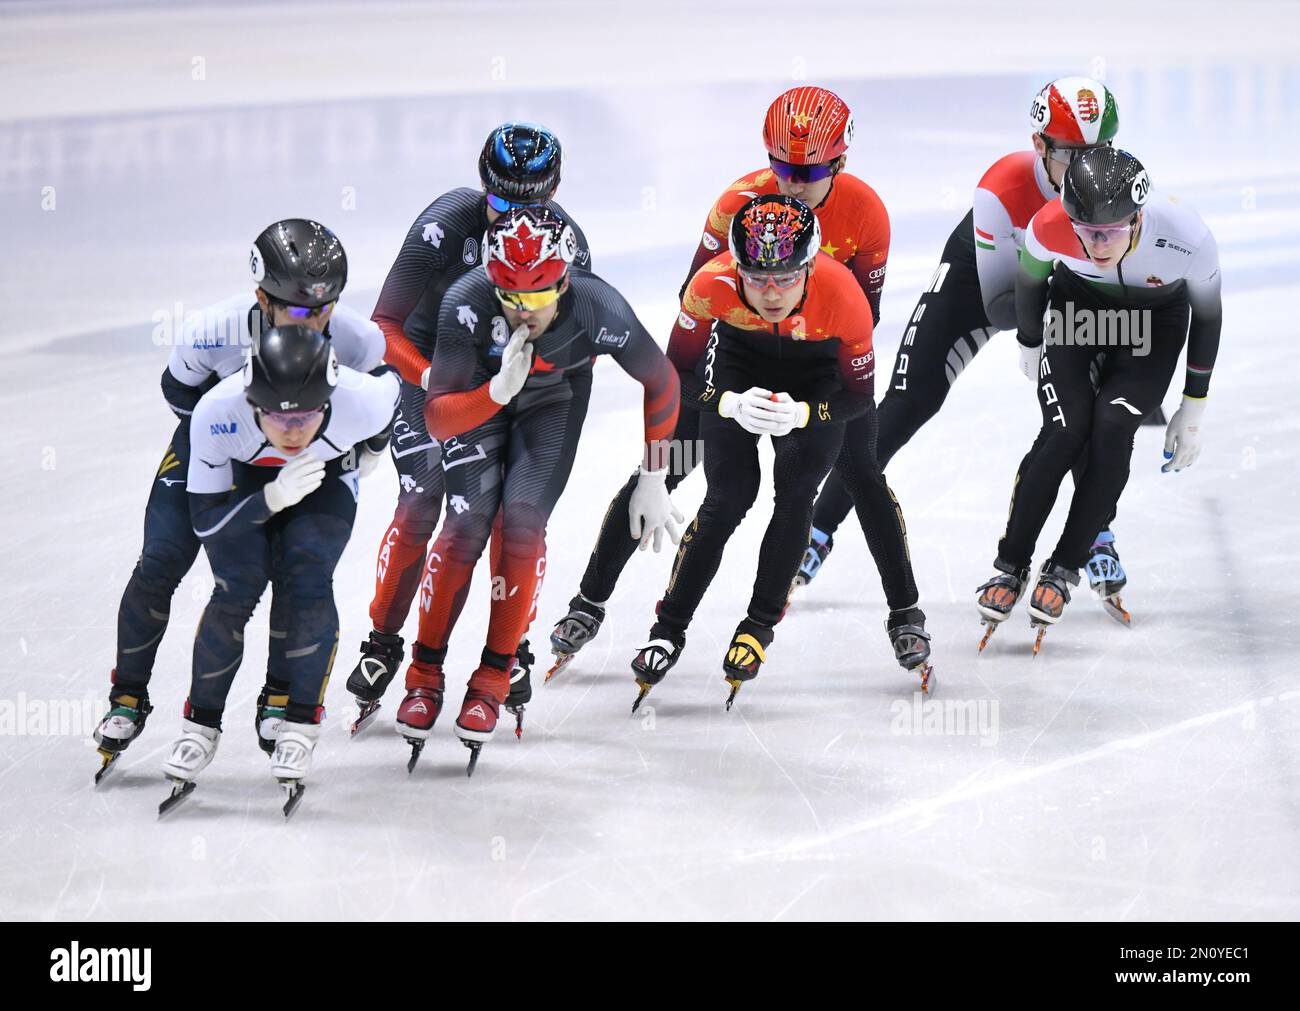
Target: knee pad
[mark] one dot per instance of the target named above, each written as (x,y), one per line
(164,563)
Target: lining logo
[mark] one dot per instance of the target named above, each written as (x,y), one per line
(1127,406)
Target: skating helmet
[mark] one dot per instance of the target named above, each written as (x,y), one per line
(299,262)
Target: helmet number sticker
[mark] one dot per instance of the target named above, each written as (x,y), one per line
(1038,111)
(1141,186)
(255,264)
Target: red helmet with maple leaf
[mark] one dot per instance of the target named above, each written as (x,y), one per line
(528,249)
(807,126)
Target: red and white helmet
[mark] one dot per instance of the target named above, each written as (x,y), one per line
(528,249)
(1075,112)
(807,126)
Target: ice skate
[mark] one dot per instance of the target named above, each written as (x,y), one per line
(998,597)
(419,710)
(1051,594)
(291,760)
(745,655)
(477,722)
(191,754)
(521,686)
(814,557)
(911,642)
(121,725)
(1107,577)
(573,631)
(655,659)
(381,656)
(270,714)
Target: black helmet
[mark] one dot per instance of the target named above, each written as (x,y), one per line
(292,368)
(1104,186)
(299,262)
(520,162)
(774,234)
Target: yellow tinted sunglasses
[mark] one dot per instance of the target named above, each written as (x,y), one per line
(528,301)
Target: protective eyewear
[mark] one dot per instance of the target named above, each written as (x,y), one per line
(287,421)
(1099,234)
(761,281)
(528,301)
(501,204)
(802,173)
(308,312)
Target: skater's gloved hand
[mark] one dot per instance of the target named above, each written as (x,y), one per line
(752,410)
(790,413)
(424,378)
(297,479)
(368,462)
(651,511)
(1183,435)
(1030,359)
(516,360)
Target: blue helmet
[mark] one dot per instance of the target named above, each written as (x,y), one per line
(520,162)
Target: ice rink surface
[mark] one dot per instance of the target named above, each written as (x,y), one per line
(1149,773)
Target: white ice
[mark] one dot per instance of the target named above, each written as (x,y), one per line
(1148,773)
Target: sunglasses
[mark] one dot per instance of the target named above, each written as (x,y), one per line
(287,421)
(761,281)
(1102,233)
(308,312)
(528,301)
(501,204)
(802,173)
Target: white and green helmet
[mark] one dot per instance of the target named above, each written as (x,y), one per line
(1075,112)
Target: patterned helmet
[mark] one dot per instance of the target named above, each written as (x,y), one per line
(528,249)
(774,234)
(1104,186)
(1074,112)
(807,126)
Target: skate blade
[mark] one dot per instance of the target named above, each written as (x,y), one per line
(644,691)
(474,748)
(990,627)
(1042,627)
(109,759)
(416,748)
(366,716)
(562,660)
(735,690)
(293,789)
(181,789)
(928,681)
(1115,608)
(518,713)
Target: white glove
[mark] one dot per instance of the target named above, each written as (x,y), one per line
(516,360)
(297,479)
(368,461)
(1030,360)
(752,410)
(790,413)
(651,511)
(1183,436)
(424,378)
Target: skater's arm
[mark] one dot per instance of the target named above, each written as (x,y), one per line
(455,401)
(1031,298)
(217,508)
(1203,292)
(358,341)
(687,343)
(419,259)
(869,263)
(996,259)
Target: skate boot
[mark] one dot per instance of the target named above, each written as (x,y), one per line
(655,659)
(191,754)
(419,710)
(819,549)
(573,631)
(477,721)
(746,654)
(521,686)
(1107,577)
(270,714)
(122,724)
(292,759)
(1051,594)
(911,642)
(381,656)
(998,596)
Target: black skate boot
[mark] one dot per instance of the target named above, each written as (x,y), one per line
(746,654)
(998,596)
(911,642)
(1051,594)
(129,708)
(381,656)
(573,631)
(1107,577)
(271,704)
(656,658)
(521,686)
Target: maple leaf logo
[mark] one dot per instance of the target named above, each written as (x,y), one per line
(523,246)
